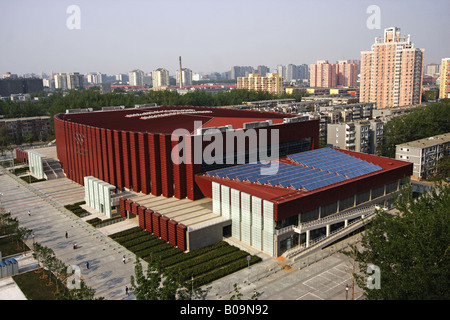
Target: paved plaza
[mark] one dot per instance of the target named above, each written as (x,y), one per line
(108,275)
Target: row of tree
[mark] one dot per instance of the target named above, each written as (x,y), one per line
(9,227)
(47,260)
(422,122)
(91,98)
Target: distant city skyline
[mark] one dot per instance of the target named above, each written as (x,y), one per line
(210,36)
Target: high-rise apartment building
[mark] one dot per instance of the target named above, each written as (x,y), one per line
(60,81)
(186,77)
(281,70)
(294,72)
(326,75)
(241,71)
(346,73)
(160,78)
(75,80)
(271,83)
(392,71)
(432,69)
(323,74)
(444,87)
(96,78)
(136,77)
(263,70)
(10,86)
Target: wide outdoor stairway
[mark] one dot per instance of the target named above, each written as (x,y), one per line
(52,169)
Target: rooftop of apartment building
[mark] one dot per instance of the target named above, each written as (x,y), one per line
(25,119)
(428,142)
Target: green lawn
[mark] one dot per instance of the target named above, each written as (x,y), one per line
(9,247)
(204,265)
(35,288)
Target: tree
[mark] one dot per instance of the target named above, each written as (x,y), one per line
(21,235)
(411,248)
(156,285)
(422,122)
(442,169)
(237,294)
(146,287)
(84,293)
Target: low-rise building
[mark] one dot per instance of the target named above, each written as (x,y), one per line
(39,127)
(424,154)
(352,136)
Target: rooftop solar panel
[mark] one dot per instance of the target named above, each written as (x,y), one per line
(317,168)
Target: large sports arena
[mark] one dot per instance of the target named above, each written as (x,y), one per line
(263,171)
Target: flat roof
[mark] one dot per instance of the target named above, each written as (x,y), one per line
(166,119)
(428,142)
(303,173)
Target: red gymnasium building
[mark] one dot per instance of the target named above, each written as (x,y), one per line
(132,148)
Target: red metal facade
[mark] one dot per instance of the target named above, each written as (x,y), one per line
(141,160)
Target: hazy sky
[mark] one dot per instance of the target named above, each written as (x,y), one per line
(210,35)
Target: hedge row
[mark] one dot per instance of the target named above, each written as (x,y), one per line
(192,254)
(138,234)
(138,246)
(205,264)
(126,232)
(213,264)
(224,271)
(77,210)
(95,222)
(139,240)
(205,257)
(148,254)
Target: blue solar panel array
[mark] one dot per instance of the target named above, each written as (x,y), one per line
(314,169)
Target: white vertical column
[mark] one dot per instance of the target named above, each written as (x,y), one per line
(307,238)
(91,202)
(235,214)
(225,201)
(216,207)
(86,190)
(107,199)
(96,195)
(246,217)
(257,225)
(327,230)
(268,227)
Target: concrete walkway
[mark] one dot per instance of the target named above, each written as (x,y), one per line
(48,219)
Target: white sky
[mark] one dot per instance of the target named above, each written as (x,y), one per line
(210,35)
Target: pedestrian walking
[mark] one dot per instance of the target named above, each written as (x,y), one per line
(67,235)
(124,260)
(29,213)
(126,290)
(87,264)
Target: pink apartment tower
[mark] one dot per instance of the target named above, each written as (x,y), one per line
(392,71)
(326,75)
